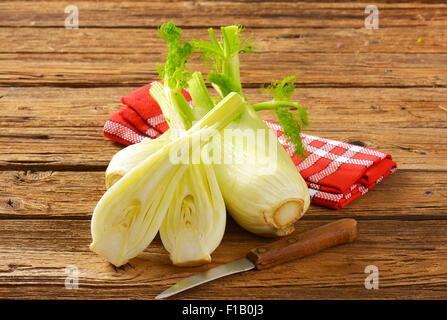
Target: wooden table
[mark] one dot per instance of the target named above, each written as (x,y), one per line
(384,88)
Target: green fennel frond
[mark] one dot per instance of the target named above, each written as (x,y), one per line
(173,72)
(222,57)
(292,121)
(217,51)
(282,90)
(223,82)
(292,129)
(174,75)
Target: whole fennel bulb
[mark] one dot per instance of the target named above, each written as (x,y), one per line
(264,192)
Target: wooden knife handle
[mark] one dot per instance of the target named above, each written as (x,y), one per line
(301,245)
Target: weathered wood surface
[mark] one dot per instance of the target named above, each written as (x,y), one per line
(291,39)
(74,194)
(380,88)
(399,121)
(316,69)
(119,14)
(411,257)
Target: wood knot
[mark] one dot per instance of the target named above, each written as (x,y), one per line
(30,176)
(11,204)
(291,36)
(356,142)
(124,267)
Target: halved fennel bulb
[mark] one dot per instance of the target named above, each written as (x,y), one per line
(186,195)
(196,218)
(131,156)
(195,222)
(130,213)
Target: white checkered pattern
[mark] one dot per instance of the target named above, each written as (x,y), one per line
(325,150)
(124,133)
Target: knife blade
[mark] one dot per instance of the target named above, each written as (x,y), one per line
(288,248)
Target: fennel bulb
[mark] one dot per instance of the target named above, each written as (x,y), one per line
(125,159)
(195,222)
(265,198)
(262,198)
(263,191)
(133,209)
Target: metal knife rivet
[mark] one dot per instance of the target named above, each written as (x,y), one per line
(261,250)
(291,240)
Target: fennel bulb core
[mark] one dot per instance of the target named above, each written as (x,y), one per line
(286,214)
(196,218)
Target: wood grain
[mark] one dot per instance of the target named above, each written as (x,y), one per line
(290,40)
(74,194)
(85,147)
(410,256)
(313,69)
(121,14)
(361,107)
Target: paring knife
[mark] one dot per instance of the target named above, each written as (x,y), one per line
(281,251)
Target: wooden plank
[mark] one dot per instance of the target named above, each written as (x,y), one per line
(74,194)
(71,134)
(115,14)
(287,40)
(412,148)
(313,69)
(369,107)
(410,256)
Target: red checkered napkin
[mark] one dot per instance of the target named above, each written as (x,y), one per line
(336,172)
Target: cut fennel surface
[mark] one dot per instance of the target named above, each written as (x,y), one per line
(182,200)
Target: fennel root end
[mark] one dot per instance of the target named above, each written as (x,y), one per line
(192,263)
(289,212)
